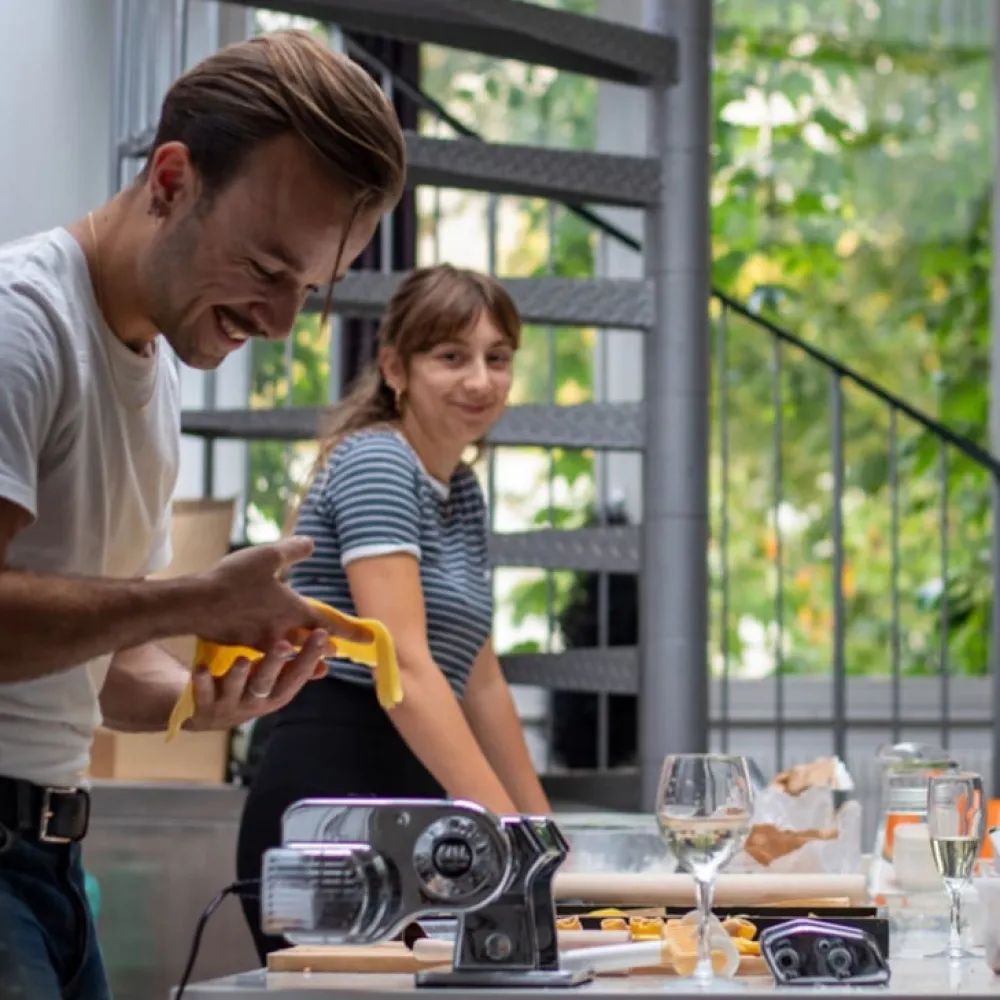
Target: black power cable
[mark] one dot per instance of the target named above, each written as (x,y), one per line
(234,888)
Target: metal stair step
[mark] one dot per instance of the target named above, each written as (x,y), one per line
(614,549)
(569,175)
(565,174)
(614,670)
(589,425)
(608,302)
(618,426)
(508,29)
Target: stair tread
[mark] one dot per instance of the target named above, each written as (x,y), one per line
(507,29)
(588,425)
(604,302)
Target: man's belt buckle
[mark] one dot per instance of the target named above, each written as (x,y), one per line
(47,815)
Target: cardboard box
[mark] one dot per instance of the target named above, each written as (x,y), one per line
(192,757)
(200,532)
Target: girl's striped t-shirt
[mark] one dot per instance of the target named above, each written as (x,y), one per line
(374,497)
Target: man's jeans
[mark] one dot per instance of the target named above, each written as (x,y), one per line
(48,947)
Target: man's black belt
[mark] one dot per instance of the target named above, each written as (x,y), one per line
(48,815)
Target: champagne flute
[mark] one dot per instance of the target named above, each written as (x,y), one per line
(704,806)
(956,820)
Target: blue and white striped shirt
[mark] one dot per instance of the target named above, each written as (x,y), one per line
(374,497)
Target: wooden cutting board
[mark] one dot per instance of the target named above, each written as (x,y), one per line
(395,957)
(390,956)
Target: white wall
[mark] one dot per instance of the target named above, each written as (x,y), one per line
(55,117)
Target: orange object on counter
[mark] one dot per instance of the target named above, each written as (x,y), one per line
(992,819)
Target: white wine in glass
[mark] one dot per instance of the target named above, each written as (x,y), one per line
(704,807)
(956,820)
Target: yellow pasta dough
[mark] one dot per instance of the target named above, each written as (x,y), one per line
(379,653)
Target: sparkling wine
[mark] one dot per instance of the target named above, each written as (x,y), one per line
(955,856)
(703,844)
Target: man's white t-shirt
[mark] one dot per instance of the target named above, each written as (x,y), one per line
(89,443)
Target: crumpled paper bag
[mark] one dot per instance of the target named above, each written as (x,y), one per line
(796,827)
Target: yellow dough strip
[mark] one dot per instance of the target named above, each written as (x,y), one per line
(379,653)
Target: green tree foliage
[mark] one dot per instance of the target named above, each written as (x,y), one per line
(851,203)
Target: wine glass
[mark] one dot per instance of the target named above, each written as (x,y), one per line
(704,806)
(956,820)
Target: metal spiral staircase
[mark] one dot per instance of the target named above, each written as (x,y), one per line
(528,32)
(670,306)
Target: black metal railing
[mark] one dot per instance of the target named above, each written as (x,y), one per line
(946,441)
(838,375)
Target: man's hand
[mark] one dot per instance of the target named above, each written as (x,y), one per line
(247,692)
(248,605)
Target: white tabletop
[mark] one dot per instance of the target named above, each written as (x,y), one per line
(910,978)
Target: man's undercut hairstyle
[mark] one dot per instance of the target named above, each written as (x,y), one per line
(281,83)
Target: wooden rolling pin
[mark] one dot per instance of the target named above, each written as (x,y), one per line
(627,889)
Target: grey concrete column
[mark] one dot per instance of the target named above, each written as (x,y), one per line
(674,606)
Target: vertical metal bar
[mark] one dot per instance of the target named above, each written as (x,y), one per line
(603,590)
(674,593)
(603,497)
(208,468)
(944,665)
(437,225)
(994,645)
(897,707)
(491,455)
(117,97)
(133,92)
(839,668)
(335,386)
(779,592)
(335,378)
(386,243)
(180,39)
(994,392)
(491,224)
(722,380)
(550,398)
(151,63)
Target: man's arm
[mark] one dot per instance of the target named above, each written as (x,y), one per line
(50,623)
(492,716)
(141,689)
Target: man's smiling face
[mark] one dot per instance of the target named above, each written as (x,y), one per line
(240,263)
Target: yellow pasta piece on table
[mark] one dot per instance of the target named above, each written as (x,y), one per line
(740,927)
(379,653)
(682,942)
(645,928)
(613,924)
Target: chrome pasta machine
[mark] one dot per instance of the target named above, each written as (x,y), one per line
(358,871)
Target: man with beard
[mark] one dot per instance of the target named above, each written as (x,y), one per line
(273,162)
